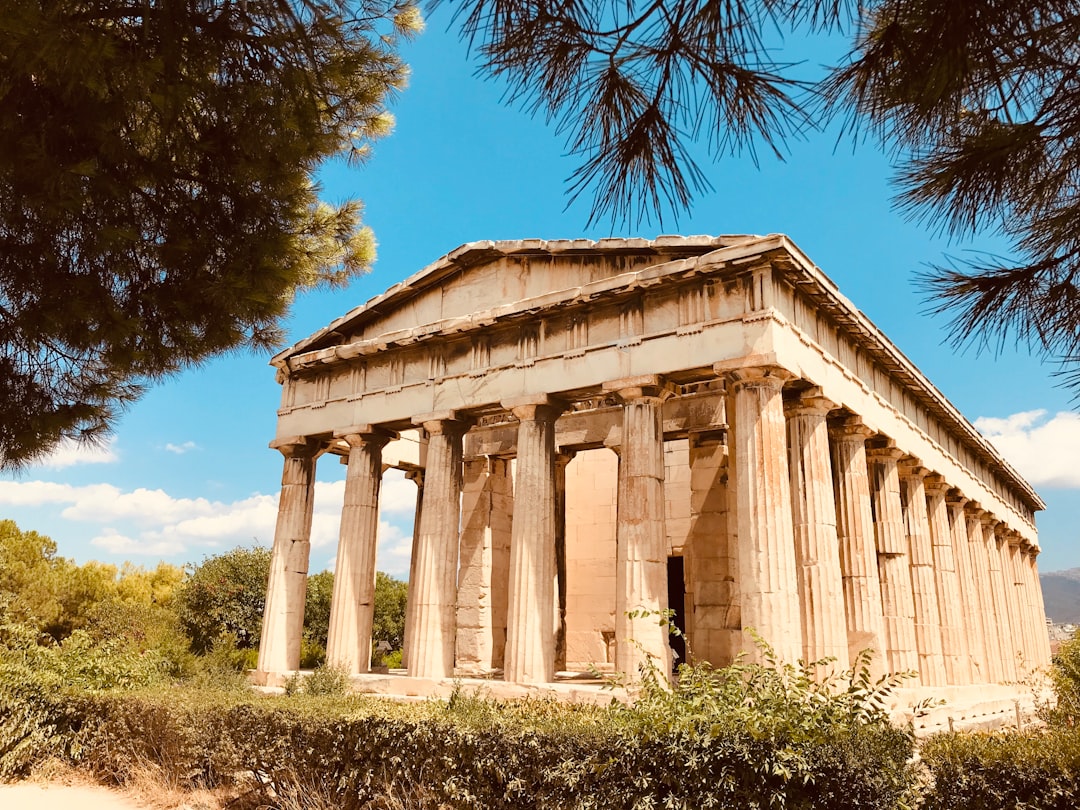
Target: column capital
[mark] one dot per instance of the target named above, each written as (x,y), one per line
(936,484)
(882,448)
(647,386)
(416,475)
(757,377)
(534,407)
(809,401)
(955,498)
(449,422)
(359,435)
(849,427)
(298,446)
(911,467)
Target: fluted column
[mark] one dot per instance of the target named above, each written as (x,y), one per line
(1022,606)
(435,591)
(890,539)
(855,531)
(286,590)
(352,605)
(997,602)
(813,509)
(530,622)
(984,586)
(767,582)
(966,566)
(417,477)
(923,584)
(1042,638)
(561,461)
(1009,622)
(954,638)
(641,555)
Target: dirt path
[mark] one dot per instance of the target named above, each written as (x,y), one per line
(36,796)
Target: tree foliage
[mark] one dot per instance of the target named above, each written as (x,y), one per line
(389,621)
(225,594)
(978,101)
(157,204)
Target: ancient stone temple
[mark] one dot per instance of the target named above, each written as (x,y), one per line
(603,431)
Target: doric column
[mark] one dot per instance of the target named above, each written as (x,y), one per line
(923,584)
(966,566)
(813,510)
(435,591)
(484,571)
(997,602)
(1009,619)
(855,531)
(984,586)
(417,477)
(530,621)
(1042,638)
(768,588)
(712,565)
(890,539)
(1022,606)
(954,638)
(561,461)
(286,590)
(352,605)
(641,556)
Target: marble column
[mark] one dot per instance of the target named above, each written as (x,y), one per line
(417,477)
(954,637)
(641,555)
(768,586)
(1009,618)
(855,532)
(352,606)
(890,539)
(817,551)
(1022,606)
(984,585)
(1042,637)
(966,566)
(286,590)
(484,571)
(530,622)
(998,606)
(433,632)
(714,624)
(923,580)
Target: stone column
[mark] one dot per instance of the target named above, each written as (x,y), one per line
(855,531)
(817,551)
(984,586)
(641,564)
(971,617)
(767,583)
(714,624)
(484,572)
(1042,638)
(352,605)
(923,584)
(417,477)
(1009,616)
(530,622)
(954,637)
(1022,606)
(435,590)
(561,461)
(286,590)
(999,609)
(893,563)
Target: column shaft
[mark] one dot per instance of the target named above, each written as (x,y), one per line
(641,555)
(1011,649)
(984,586)
(352,605)
(858,556)
(923,584)
(286,590)
(767,582)
(954,638)
(433,633)
(817,553)
(967,565)
(417,477)
(893,563)
(1042,637)
(530,630)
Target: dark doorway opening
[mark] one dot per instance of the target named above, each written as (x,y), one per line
(676,599)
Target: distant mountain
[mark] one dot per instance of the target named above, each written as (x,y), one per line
(1061,595)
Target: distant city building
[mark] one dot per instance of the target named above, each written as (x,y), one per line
(601,432)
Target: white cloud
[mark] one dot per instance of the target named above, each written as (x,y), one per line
(1044,450)
(180,449)
(69,453)
(116,543)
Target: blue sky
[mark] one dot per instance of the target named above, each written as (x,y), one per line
(188,472)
